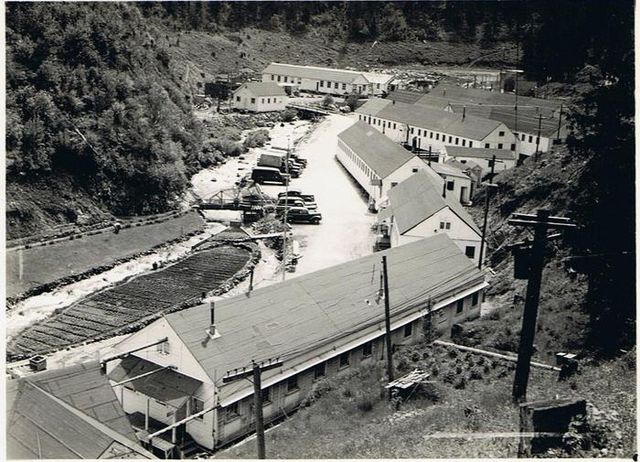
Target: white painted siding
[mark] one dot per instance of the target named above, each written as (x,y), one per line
(244,99)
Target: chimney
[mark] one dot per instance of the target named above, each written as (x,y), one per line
(464,112)
(213,333)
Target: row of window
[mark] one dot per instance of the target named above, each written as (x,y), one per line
(523,137)
(336,85)
(378,122)
(286,79)
(359,162)
(262,100)
(435,135)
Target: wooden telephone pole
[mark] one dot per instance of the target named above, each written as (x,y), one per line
(255,372)
(387,321)
(540,223)
(490,185)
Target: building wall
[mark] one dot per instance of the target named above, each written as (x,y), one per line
(527,141)
(461,187)
(250,102)
(484,163)
(426,138)
(321,84)
(459,232)
(364,175)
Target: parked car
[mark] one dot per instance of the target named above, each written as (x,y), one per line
(311,205)
(289,202)
(302,215)
(269,175)
(293,192)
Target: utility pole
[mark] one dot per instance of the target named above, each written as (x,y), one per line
(486,211)
(540,222)
(255,373)
(286,212)
(535,157)
(387,321)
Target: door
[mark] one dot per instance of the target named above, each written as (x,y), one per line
(464,194)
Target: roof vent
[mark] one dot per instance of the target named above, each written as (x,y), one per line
(212,332)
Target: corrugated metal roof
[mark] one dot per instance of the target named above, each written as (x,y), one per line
(405,96)
(480,153)
(415,199)
(43,426)
(167,386)
(380,153)
(84,387)
(313,72)
(417,115)
(263,89)
(448,170)
(310,315)
(373,106)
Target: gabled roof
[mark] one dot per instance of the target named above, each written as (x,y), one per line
(480,153)
(373,106)
(415,199)
(314,314)
(455,93)
(263,89)
(416,115)
(463,165)
(433,101)
(382,155)
(448,170)
(405,96)
(41,425)
(313,72)
(377,77)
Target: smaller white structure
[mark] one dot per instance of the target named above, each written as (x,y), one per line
(379,82)
(458,183)
(377,163)
(482,157)
(259,97)
(417,210)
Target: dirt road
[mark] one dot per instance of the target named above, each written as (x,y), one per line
(345,232)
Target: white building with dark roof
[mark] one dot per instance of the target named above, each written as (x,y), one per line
(417,210)
(458,184)
(376,162)
(259,97)
(326,80)
(482,157)
(429,128)
(319,324)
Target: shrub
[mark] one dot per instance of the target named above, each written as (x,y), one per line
(435,371)
(453,353)
(461,384)
(476,373)
(228,147)
(415,356)
(288,115)
(450,377)
(327,101)
(364,404)
(256,138)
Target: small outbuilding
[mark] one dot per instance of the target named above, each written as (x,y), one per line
(259,97)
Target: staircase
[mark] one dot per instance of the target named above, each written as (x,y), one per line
(189,448)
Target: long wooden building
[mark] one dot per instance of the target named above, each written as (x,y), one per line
(318,325)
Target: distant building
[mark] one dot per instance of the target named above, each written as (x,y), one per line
(376,162)
(459,185)
(326,80)
(482,157)
(259,97)
(549,115)
(318,325)
(417,210)
(429,128)
(68,413)
(470,168)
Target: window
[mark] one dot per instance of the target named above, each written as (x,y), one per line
(464,142)
(474,299)
(414,169)
(278,78)
(470,251)
(394,183)
(394,125)
(459,306)
(285,78)
(253,101)
(292,384)
(322,83)
(499,145)
(367,349)
(319,370)
(500,133)
(262,100)
(445,225)
(163,348)
(197,405)
(450,138)
(450,185)
(419,132)
(272,76)
(430,134)
(522,136)
(513,147)
(437,136)
(384,124)
(266,396)
(335,85)
(457,140)
(231,411)
(237,98)
(530,139)
(378,86)
(412,130)
(537,139)
(344,86)
(344,359)
(408,330)
(470,144)
(269,100)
